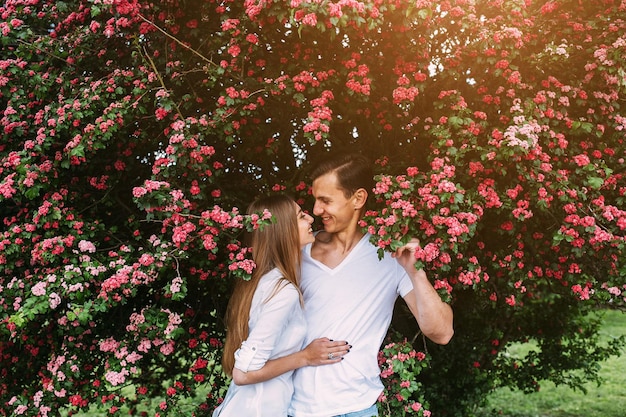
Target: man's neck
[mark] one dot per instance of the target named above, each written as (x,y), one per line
(344,242)
(332,248)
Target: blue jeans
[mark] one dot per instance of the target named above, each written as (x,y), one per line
(368,412)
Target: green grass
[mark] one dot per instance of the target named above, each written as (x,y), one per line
(607,400)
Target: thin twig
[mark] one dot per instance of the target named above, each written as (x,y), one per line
(156,71)
(178,41)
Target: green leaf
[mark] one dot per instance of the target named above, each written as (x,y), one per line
(32,192)
(595,182)
(17,319)
(424,14)
(456,121)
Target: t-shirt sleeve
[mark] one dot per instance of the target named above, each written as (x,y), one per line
(273,317)
(405,285)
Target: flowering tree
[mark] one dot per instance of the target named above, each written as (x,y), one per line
(132,133)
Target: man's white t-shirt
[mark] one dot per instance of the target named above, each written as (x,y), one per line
(276,329)
(354,302)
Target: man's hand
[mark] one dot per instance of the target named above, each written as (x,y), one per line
(405,255)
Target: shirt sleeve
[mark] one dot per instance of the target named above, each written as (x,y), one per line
(405,285)
(273,317)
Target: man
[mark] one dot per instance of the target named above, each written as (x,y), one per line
(349,294)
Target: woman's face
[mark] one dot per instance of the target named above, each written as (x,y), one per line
(304,226)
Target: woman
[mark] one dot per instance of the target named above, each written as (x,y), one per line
(265,322)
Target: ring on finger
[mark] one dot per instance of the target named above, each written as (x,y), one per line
(331,356)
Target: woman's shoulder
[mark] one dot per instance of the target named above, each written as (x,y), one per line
(273,278)
(273,285)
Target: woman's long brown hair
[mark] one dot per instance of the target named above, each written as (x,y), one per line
(274,246)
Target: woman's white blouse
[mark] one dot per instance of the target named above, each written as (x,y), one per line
(276,328)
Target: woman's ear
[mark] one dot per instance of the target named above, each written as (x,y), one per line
(359,197)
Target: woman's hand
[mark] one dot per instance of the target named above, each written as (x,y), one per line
(324,351)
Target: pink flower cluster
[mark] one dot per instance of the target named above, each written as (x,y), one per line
(400,365)
(319,117)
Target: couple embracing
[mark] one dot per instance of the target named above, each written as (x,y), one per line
(327,292)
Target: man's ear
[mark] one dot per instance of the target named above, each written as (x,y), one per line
(360,197)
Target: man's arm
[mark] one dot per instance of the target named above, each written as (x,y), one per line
(315,354)
(434,317)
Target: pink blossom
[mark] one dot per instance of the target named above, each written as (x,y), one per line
(6,187)
(234,50)
(443,284)
(20,409)
(510,300)
(139,192)
(146,259)
(614,291)
(39,289)
(582,292)
(173,321)
(428,253)
(385,373)
(54,300)
(176,285)
(401,94)
(229,24)
(310,19)
(144,346)
(582,160)
(168,348)
(86,246)
(446,187)
(109,345)
(133,357)
(116,378)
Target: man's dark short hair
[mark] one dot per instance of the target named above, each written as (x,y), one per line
(353,171)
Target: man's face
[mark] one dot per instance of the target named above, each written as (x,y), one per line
(331,205)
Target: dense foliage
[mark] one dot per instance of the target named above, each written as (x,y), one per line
(134,132)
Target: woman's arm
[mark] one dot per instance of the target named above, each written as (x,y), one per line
(315,354)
